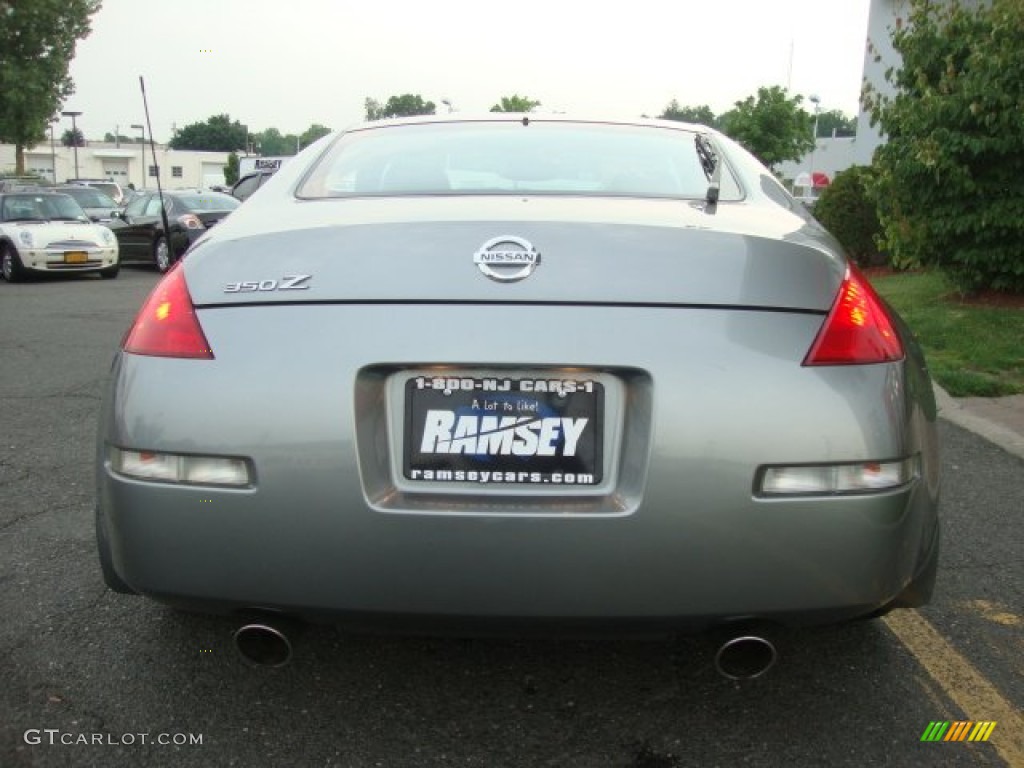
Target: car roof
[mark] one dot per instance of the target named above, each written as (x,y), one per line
(47,191)
(518,117)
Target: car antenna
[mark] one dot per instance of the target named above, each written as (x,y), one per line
(159,189)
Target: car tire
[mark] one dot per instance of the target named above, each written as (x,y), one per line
(162,255)
(110,577)
(110,272)
(10,265)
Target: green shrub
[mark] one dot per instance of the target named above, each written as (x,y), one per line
(949,181)
(847,210)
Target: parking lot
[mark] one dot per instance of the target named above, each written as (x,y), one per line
(95,678)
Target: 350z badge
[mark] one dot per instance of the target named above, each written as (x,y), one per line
(286,283)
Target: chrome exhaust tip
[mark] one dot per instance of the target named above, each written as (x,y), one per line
(745,657)
(263,645)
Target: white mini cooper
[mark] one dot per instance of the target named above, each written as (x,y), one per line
(44,231)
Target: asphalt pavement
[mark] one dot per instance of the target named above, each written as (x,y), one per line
(93,678)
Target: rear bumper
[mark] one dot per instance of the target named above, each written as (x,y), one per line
(680,539)
(806,561)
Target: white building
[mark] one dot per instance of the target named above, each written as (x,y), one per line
(882,19)
(830,156)
(125,163)
(879,55)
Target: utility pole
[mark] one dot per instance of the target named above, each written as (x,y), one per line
(142,143)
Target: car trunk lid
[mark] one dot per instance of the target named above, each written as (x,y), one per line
(614,251)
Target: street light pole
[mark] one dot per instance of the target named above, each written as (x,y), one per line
(142,143)
(74,135)
(817,104)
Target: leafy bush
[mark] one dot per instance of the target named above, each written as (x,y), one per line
(950,179)
(848,211)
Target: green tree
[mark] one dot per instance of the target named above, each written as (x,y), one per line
(399,106)
(215,134)
(701,115)
(120,137)
(271,142)
(848,211)
(313,133)
(950,181)
(773,126)
(231,169)
(73,138)
(515,103)
(835,120)
(37,44)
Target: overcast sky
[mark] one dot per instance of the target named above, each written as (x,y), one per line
(269,63)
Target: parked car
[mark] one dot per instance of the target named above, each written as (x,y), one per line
(97,206)
(248,184)
(49,232)
(521,369)
(190,213)
(22,183)
(110,188)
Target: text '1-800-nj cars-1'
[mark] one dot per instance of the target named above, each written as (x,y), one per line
(521,371)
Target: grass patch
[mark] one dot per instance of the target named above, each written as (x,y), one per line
(972,350)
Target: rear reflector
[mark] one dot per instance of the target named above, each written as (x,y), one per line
(167,325)
(175,468)
(828,479)
(857,330)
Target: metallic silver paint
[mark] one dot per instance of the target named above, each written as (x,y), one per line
(701,321)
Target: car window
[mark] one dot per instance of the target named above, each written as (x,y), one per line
(136,206)
(41,208)
(111,190)
(515,158)
(207,201)
(90,198)
(246,187)
(153,206)
(20,207)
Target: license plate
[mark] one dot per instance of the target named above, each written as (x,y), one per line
(542,431)
(75,257)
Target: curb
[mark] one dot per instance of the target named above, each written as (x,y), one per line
(951,410)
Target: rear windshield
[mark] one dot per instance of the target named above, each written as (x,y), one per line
(90,198)
(110,190)
(511,158)
(208,201)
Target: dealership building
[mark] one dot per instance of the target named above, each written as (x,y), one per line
(121,162)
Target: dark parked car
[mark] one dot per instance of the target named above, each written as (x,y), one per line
(249,183)
(525,371)
(140,228)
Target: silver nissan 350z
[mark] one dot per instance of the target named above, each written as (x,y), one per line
(521,369)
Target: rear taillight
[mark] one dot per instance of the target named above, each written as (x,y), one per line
(190,221)
(167,325)
(857,330)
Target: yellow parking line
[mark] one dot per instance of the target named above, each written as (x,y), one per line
(965,685)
